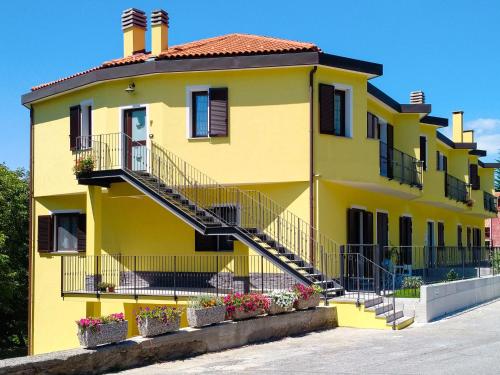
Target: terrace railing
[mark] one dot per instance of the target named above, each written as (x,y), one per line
(398,166)
(170,275)
(490,202)
(456,189)
(441,263)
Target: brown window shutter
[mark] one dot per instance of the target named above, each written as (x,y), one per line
(445,163)
(369,126)
(74,126)
(367,227)
(326,108)
(437,160)
(352,216)
(423,151)
(218,98)
(82,232)
(45,234)
(474,177)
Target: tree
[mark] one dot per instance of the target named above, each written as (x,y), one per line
(14,201)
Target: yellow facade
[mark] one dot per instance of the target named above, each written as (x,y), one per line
(267,150)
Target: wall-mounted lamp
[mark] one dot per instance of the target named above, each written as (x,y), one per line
(131,88)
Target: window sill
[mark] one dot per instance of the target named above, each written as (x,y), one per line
(67,252)
(198,139)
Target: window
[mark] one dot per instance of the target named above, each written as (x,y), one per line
(213,243)
(423,151)
(80,119)
(372,126)
(441,161)
(200,114)
(61,232)
(334,109)
(440,238)
(459,236)
(208,112)
(339,124)
(405,239)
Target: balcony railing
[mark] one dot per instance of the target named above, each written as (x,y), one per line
(398,166)
(456,189)
(490,202)
(440,263)
(171,275)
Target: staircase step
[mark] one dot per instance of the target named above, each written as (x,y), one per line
(298,262)
(394,316)
(305,268)
(402,322)
(381,309)
(373,301)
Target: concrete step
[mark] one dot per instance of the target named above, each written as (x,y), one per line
(373,301)
(389,317)
(381,308)
(402,322)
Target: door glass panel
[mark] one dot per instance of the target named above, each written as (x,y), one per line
(139,124)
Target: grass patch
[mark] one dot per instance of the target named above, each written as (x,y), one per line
(407,293)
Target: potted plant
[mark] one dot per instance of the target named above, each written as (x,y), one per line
(158,320)
(83,166)
(102,330)
(281,302)
(205,310)
(470,202)
(244,306)
(307,296)
(102,286)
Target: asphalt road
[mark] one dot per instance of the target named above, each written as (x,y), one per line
(466,343)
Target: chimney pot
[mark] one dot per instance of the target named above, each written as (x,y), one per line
(159,31)
(134,24)
(417,97)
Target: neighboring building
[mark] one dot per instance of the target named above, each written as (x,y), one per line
(492,228)
(270,120)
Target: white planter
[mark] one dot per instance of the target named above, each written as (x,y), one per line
(207,316)
(104,334)
(242,315)
(150,327)
(304,304)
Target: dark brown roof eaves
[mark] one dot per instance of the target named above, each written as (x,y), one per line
(434,120)
(401,108)
(456,145)
(480,153)
(488,165)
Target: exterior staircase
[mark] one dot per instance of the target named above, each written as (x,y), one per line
(213,209)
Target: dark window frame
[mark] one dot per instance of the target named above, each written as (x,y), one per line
(372,126)
(341,108)
(51,237)
(194,96)
(423,151)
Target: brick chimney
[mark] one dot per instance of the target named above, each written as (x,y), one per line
(458,126)
(134,24)
(417,97)
(159,31)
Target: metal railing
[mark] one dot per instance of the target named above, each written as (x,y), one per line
(367,282)
(252,212)
(440,263)
(490,202)
(399,166)
(171,275)
(456,189)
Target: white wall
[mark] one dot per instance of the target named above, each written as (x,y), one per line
(445,298)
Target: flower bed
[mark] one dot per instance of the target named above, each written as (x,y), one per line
(307,296)
(244,306)
(158,320)
(205,310)
(281,302)
(102,330)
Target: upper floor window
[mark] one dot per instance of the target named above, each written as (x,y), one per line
(62,232)
(372,126)
(80,126)
(474,179)
(334,109)
(423,151)
(441,161)
(208,112)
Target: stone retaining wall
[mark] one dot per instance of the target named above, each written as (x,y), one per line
(140,351)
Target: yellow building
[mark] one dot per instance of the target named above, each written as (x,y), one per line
(237,162)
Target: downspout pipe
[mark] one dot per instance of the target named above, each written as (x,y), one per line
(30,235)
(311,162)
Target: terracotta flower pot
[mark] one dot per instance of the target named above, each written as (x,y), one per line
(104,334)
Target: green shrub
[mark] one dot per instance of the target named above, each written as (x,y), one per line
(452,275)
(412,282)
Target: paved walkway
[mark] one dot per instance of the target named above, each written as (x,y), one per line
(467,343)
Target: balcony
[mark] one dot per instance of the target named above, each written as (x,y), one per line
(490,202)
(401,167)
(456,189)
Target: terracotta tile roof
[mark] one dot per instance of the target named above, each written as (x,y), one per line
(225,45)
(236,44)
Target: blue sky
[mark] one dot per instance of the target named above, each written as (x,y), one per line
(449,49)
